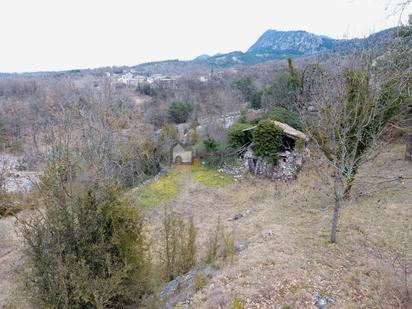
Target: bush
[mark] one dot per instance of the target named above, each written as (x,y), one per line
(256,99)
(87,250)
(179,112)
(17,146)
(220,244)
(245,86)
(237,304)
(267,138)
(179,246)
(286,116)
(243,115)
(199,281)
(213,157)
(237,138)
(136,163)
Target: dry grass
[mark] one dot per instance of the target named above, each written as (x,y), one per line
(285,226)
(286,229)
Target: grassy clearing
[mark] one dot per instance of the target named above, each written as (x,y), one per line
(160,191)
(206,176)
(167,187)
(211,177)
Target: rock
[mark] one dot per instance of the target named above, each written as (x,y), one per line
(169,288)
(321,301)
(241,245)
(267,234)
(237,217)
(235,171)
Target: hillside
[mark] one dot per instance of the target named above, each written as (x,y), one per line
(280,233)
(299,41)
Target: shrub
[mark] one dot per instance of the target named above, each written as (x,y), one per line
(17,146)
(237,304)
(267,138)
(284,115)
(245,86)
(243,115)
(179,112)
(213,157)
(256,99)
(220,244)
(87,250)
(229,249)
(237,138)
(136,163)
(179,246)
(199,281)
(300,145)
(213,245)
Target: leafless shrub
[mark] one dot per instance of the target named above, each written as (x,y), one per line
(179,246)
(220,244)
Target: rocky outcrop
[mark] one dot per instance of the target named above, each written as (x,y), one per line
(300,41)
(288,167)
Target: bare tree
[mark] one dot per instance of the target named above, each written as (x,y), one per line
(352,112)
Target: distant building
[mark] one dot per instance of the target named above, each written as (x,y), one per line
(180,155)
(132,80)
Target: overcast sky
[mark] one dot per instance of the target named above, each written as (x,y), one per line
(67,34)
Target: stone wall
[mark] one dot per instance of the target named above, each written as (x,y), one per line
(288,167)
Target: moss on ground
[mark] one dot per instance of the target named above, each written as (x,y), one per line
(211,177)
(162,190)
(167,187)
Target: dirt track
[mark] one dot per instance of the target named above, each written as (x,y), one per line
(10,257)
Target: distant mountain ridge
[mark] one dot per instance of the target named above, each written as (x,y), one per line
(299,41)
(271,45)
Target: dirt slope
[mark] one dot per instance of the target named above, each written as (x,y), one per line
(285,227)
(286,257)
(10,257)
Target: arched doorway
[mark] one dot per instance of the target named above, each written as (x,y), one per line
(178,160)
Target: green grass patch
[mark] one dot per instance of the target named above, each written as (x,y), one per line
(212,177)
(162,190)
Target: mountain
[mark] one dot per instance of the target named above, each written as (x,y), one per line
(298,41)
(274,44)
(201,57)
(271,45)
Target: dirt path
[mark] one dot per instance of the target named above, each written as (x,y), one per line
(10,257)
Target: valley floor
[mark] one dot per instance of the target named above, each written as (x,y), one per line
(283,232)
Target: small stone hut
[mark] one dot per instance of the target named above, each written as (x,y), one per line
(181,155)
(290,161)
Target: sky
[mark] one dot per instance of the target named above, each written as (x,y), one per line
(41,35)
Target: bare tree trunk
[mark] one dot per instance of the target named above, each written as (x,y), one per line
(336,208)
(348,188)
(408,140)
